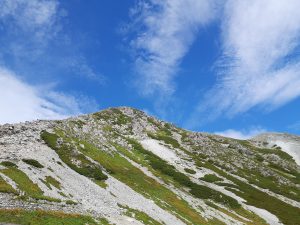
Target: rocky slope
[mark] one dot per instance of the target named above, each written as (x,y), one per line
(120,166)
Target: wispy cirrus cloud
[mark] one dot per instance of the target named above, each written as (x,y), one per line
(29,29)
(33,33)
(33,15)
(165,32)
(260,64)
(241,134)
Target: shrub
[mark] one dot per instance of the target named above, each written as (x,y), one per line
(189,171)
(86,168)
(197,190)
(167,139)
(70,202)
(211,178)
(204,192)
(8,164)
(52,181)
(33,162)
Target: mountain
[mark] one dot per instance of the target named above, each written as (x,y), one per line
(121,166)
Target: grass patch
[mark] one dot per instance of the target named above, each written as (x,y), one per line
(19,216)
(52,181)
(102,184)
(286,213)
(120,168)
(276,151)
(70,202)
(8,164)
(78,123)
(162,136)
(140,216)
(189,171)
(120,118)
(211,178)
(197,190)
(280,153)
(68,156)
(33,162)
(271,183)
(5,187)
(103,221)
(23,182)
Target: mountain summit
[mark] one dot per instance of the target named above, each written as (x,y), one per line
(121,166)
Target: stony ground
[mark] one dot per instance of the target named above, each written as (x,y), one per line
(120,166)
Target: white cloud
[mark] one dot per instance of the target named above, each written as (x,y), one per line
(29,29)
(242,135)
(34,16)
(22,102)
(261,62)
(166,30)
(78,65)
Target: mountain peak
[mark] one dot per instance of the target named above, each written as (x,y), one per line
(121,166)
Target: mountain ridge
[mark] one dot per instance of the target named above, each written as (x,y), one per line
(195,177)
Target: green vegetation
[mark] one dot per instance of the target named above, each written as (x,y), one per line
(271,182)
(119,167)
(8,164)
(280,153)
(68,156)
(70,202)
(51,181)
(18,216)
(103,221)
(276,151)
(140,216)
(152,121)
(189,171)
(25,184)
(113,115)
(121,119)
(227,185)
(77,123)
(166,130)
(255,176)
(285,212)
(5,187)
(204,192)
(259,158)
(33,162)
(102,183)
(211,178)
(162,136)
(197,190)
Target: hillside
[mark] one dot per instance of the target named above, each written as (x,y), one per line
(121,166)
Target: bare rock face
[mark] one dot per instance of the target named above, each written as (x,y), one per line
(285,142)
(122,166)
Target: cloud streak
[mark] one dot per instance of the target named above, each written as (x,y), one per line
(166,30)
(260,64)
(35,17)
(22,102)
(242,135)
(29,30)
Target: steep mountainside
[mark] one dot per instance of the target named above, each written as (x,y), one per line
(120,166)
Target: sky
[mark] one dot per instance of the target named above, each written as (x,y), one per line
(230,67)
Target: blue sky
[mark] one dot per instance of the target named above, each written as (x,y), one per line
(229,67)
